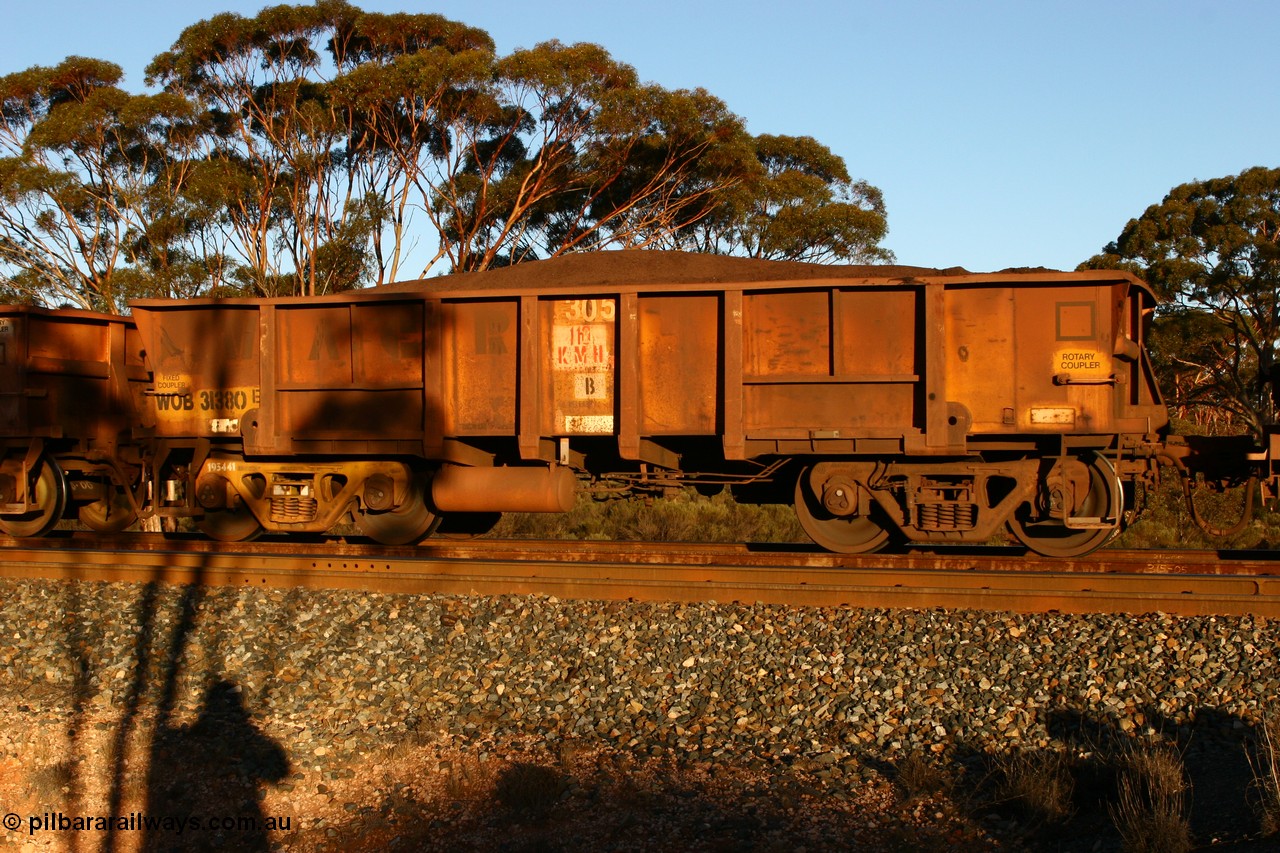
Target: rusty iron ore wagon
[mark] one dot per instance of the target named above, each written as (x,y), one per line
(884,402)
(72,430)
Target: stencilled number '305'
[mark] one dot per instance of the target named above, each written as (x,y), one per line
(591,310)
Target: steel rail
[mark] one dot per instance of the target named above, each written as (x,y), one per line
(662,576)
(694,553)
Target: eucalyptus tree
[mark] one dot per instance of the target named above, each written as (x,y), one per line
(312,148)
(91,182)
(404,80)
(306,187)
(1212,250)
(570,152)
(800,204)
(337,127)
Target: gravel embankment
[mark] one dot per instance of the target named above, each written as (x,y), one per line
(396,719)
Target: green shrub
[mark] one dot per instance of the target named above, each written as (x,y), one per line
(1165,522)
(687,517)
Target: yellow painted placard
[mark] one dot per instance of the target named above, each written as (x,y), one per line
(1083,362)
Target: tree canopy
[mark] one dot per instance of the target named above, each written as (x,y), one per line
(799,205)
(89,212)
(1211,249)
(313,148)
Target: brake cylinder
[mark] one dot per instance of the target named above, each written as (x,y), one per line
(459,489)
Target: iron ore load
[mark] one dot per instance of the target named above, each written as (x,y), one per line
(886,403)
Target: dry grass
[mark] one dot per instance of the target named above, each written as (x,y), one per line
(1153,800)
(920,778)
(465,779)
(50,783)
(1264,759)
(1039,783)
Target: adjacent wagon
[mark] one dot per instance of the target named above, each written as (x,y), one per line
(72,419)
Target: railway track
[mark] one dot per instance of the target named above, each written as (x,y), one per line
(1183,583)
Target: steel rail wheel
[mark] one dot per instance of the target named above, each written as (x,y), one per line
(858,534)
(230,525)
(49,493)
(1105,500)
(110,514)
(407,524)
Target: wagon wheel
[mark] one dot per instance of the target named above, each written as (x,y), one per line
(1105,500)
(858,534)
(407,524)
(467,525)
(49,492)
(230,525)
(110,514)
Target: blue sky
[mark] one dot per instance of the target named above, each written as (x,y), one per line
(1001,133)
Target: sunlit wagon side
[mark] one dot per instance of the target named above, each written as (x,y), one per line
(882,401)
(931,406)
(71,385)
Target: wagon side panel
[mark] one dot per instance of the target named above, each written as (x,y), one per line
(1037,358)
(580,340)
(206,367)
(68,375)
(1065,368)
(481,362)
(832,364)
(349,374)
(677,364)
(980,353)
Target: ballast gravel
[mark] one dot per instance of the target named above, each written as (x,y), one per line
(377,721)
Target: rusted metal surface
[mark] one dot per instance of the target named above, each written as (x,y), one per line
(458,489)
(662,578)
(71,385)
(288,377)
(682,381)
(644,376)
(1260,563)
(205,367)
